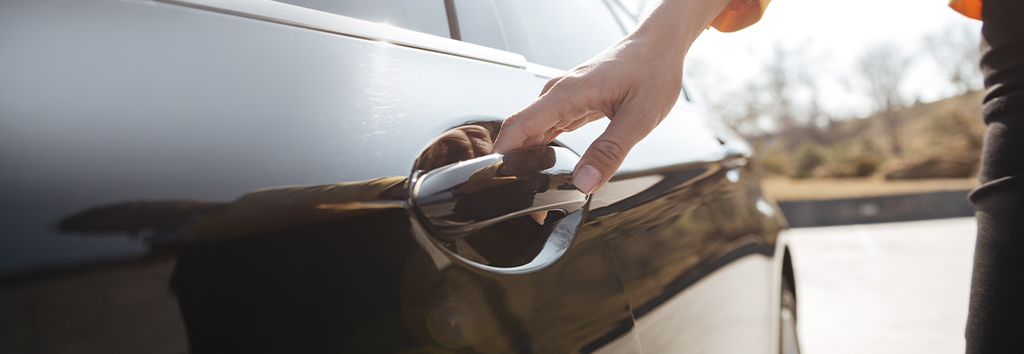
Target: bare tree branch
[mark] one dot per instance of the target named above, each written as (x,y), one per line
(956,50)
(883,68)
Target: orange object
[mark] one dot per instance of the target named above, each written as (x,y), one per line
(739,15)
(969,8)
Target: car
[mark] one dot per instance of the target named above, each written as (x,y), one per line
(255,176)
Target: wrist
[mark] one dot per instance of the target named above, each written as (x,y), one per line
(673,25)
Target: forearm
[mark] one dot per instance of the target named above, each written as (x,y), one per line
(673,25)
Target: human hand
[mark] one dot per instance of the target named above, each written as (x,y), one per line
(633,83)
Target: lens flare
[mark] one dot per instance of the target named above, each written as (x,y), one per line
(453,323)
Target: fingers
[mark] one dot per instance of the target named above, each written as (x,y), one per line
(605,155)
(542,120)
(548,85)
(592,116)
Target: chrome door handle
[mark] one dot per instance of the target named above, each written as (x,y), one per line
(460,198)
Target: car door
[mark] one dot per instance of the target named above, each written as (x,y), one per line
(697,249)
(694,238)
(233,176)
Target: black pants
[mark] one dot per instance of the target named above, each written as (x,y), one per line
(996,320)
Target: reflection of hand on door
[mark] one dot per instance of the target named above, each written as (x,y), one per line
(455,145)
(471,141)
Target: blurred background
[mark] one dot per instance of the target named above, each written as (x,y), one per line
(867,119)
(872,91)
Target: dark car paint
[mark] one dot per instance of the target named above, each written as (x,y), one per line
(110,102)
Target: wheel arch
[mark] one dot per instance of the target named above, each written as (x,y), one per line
(788,276)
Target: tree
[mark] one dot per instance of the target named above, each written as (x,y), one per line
(956,49)
(789,95)
(883,68)
(732,104)
(782,100)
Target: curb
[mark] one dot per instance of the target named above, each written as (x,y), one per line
(866,210)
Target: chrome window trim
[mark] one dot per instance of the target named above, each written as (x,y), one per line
(287,14)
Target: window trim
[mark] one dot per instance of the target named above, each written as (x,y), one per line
(297,16)
(453,20)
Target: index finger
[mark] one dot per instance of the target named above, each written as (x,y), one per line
(529,126)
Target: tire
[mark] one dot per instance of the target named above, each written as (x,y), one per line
(788,342)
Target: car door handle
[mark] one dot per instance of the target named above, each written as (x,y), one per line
(460,198)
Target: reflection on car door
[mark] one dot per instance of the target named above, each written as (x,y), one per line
(208,209)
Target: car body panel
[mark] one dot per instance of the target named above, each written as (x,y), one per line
(108,107)
(210,110)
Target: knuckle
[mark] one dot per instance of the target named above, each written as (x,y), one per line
(567,84)
(510,123)
(551,83)
(513,133)
(608,152)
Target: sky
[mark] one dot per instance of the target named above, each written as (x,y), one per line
(834,34)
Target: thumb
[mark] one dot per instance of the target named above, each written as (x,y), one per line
(605,155)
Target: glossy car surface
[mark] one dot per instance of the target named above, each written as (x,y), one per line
(238,176)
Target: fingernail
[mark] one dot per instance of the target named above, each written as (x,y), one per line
(586,179)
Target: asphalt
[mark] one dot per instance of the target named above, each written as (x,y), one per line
(884,288)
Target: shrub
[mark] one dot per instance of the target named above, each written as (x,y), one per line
(863,165)
(808,157)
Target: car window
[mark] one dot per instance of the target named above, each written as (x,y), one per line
(479,23)
(559,34)
(427,16)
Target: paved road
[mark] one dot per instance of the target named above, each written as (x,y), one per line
(884,288)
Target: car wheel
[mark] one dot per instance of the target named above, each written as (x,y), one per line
(788,343)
